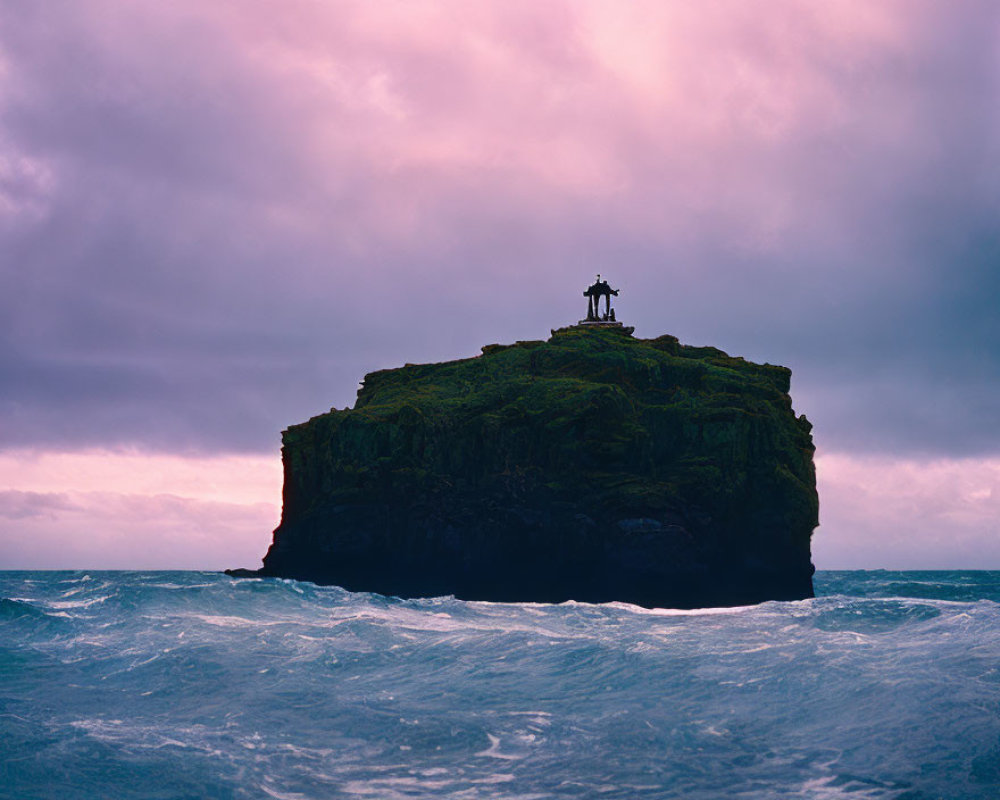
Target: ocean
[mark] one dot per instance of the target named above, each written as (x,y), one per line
(195,685)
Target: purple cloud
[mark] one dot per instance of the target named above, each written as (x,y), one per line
(215,218)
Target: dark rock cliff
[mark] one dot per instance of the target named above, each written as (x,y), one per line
(593,466)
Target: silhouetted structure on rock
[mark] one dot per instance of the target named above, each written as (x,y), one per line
(594,293)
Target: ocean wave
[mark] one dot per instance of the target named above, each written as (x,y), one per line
(12,608)
(192,684)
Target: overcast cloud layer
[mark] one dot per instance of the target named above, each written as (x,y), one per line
(216,217)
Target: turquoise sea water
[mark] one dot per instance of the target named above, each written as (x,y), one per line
(192,685)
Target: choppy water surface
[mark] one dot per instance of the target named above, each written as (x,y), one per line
(180,684)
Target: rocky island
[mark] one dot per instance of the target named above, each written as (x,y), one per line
(592,466)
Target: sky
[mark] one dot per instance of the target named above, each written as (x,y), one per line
(216,217)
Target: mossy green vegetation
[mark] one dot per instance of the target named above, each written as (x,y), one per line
(592,466)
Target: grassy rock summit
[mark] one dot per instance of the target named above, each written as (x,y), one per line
(593,466)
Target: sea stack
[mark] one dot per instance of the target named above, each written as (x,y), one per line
(594,466)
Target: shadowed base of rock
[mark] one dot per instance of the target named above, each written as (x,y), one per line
(707,586)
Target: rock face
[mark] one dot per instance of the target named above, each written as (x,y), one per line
(592,466)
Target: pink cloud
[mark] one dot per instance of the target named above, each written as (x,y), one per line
(107,510)
(108,530)
(134,511)
(662,110)
(226,478)
(907,513)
